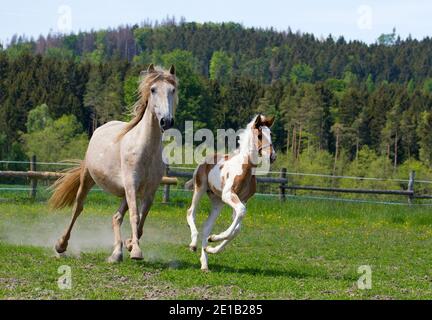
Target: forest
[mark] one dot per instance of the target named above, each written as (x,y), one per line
(341,106)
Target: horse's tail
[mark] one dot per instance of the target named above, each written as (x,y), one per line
(189,185)
(66,188)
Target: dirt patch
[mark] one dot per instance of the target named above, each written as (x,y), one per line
(213,292)
(11,283)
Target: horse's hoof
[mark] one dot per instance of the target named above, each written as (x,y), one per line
(137,257)
(205,270)
(128,244)
(210,238)
(115,258)
(193,248)
(136,254)
(209,250)
(59,255)
(60,247)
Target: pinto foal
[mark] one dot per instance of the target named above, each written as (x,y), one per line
(229,180)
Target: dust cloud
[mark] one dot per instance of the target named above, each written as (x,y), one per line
(90,233)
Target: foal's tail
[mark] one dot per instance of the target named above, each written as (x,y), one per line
(189,185)
(66,188)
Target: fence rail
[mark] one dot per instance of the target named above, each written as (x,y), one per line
(344,190)
(283,181)
(41,175)
(34,176)
(284,185)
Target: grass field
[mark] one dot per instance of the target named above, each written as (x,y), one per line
(300,249)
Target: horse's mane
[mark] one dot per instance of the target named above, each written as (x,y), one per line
(148,78)
(244,136)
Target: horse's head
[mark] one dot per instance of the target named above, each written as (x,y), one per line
(161,95)
(262,137)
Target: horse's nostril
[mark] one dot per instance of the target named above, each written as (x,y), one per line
(166,123)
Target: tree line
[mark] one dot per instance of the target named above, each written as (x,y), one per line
(338,98)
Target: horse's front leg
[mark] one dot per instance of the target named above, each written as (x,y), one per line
(233,200)
(191,216)
(131,198)
(143,212)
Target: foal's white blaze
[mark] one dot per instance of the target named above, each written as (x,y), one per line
(267,151)
(266,133)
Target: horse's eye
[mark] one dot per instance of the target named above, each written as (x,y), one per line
(153,90)
(174,90)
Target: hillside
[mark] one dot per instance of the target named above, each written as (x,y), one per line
(340,101)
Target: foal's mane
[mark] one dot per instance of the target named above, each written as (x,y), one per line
(148,78)
(245,135)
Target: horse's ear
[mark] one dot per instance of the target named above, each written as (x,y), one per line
(151,68)
(172,70)
(257,122)
(269,121)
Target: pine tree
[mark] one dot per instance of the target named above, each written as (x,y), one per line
(221,67)
(424,132)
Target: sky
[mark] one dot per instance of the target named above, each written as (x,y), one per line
(355,20)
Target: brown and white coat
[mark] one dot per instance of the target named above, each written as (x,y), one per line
(229,179)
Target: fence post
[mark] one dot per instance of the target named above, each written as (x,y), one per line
(282,186)
(166,190)
(411,186)
(33,182)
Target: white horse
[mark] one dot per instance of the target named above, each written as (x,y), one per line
(124,159)
(229,180)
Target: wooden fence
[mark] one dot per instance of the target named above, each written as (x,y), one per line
(171,176)
(34,176)
(282,181)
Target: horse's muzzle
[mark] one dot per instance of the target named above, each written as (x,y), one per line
(166,123)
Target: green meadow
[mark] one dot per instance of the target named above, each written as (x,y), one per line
(298,249)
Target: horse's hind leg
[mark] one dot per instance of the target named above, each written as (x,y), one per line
(117,220)
(217,206)
(233,200)
(224,243)
(86,183)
